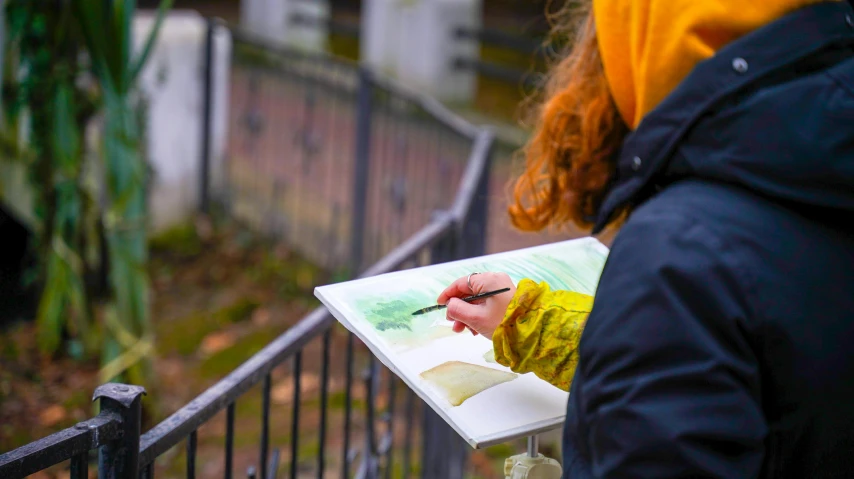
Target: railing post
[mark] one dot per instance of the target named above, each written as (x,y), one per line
(443,451)
(207,108)
(119,459)
(446,249)
(369,468)
(444,454)
(473,232)
(361,169)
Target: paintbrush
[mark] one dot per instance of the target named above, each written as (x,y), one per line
(468,299)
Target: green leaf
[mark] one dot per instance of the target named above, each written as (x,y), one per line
(66,136)
(119,54)
(48,316)
(127,13)
(75,349)
(139,64)
(18,17)
(96,32)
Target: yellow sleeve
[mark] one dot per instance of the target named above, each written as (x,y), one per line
(540,332)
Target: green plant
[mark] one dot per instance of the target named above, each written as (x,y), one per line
(42,50)
(65,61)
(106,30)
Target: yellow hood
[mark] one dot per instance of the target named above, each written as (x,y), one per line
(649,46)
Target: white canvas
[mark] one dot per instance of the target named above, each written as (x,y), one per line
(378,310)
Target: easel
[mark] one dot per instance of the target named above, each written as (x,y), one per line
(532,464)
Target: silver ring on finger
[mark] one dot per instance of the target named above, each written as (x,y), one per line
(468,281)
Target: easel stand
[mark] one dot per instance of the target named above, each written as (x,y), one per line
(532,465)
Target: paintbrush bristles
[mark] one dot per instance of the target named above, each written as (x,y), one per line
(429,309)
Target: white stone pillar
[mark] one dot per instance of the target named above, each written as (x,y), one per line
(265,18)
(173,84)
(379,36)
(274,20)
(312,36)
(415,41)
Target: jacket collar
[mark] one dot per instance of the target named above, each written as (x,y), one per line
(647,150)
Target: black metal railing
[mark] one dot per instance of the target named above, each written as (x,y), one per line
(409,180)
(297,121)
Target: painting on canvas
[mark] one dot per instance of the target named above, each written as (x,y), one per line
(456,374)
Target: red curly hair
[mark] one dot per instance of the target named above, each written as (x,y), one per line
(570,159)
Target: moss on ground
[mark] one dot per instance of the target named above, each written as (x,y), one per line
(184,335)
(338,401)
(178,241)
(223,362)
(293,278)
(500,451)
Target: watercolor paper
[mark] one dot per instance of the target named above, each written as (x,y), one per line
(456,374)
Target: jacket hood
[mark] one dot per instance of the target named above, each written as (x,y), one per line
(649,46)
(772,112)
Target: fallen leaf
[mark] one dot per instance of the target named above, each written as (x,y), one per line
(204,227)
(216,342)
(283,392)
(282,252)
(52,415)
(381,401)
(483,465)
(218,273)
(261,316)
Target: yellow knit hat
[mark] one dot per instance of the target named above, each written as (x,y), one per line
(649,46)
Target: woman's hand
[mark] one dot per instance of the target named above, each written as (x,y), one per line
(482,316)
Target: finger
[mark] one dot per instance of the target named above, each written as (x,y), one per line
(459,327)
(468,314)
(457,289)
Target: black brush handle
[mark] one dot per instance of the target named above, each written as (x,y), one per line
(467,299)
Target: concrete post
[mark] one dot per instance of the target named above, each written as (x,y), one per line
(416,41)
(173,85)
(378,36)
(297,23)
(265,18)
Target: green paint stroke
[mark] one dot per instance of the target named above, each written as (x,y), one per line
(576,269)
(391,316)
(393,320)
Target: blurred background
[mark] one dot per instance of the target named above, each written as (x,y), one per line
(177,177)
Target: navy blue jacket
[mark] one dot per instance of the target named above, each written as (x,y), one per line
(721,342)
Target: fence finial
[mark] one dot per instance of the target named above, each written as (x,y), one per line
(123,394)
(119,459)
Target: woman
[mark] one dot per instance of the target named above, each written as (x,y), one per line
(720,134)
